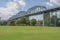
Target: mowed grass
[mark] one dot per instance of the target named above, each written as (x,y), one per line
(29,33)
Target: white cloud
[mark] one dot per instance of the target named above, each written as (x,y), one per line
(11,8)
(53,2)
(50,4)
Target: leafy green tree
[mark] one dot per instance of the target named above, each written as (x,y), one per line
(47,19)
(12,23)
(54,19)
(3,22)
(48,22)
(33,22)
(18,22)
(58,22)
(0,23)
(27,22)
(41,22)
(23,20)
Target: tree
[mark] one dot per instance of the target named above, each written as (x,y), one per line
(3,22)
(17,22)
(12,23)
(47,19)
(54,19)
(23,20)
(0,23)
(33,22)
(27,22)
(41,22)
(58,22)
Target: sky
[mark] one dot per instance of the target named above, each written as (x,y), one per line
(9,8)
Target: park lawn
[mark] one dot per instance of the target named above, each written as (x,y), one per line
(29,33)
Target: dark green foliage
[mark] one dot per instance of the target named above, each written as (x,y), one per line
(46,19)
(58,22)
(3,22)
(0,22)
(33,22)
(28,22)
(53,19)
(23,20)
(12,23)
(41,22)
(18,22)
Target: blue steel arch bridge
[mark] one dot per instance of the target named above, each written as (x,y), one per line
(38,10)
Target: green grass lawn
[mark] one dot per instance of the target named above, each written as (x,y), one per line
(29,33)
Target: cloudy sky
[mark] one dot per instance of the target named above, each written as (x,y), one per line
(11,7)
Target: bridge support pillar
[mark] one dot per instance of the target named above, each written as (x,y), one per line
(46,19)
(53,18)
